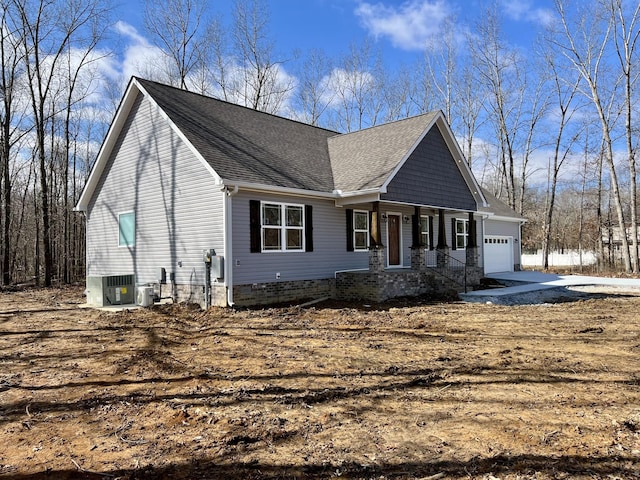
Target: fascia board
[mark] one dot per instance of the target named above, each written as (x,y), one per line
(122,113)
(506,219)
(257,187)
(454,148)
(121,116)
(183,137)
(400,164)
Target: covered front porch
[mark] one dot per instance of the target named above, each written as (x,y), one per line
(434,266)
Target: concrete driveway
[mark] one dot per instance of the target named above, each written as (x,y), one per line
(532,286)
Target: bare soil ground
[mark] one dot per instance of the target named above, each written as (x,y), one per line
(404,390)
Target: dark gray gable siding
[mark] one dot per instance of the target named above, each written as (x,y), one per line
(431,177)
(246,145)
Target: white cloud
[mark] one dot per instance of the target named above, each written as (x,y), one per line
(139,57)
(339,86)
(409,25)
(522,10)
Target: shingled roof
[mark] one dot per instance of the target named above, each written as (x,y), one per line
(247,145)
(498,208)
(365,159)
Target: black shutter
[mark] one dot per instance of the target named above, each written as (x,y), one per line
(254,226)
(454,243)
(431,232)
(349,229)
(308,228)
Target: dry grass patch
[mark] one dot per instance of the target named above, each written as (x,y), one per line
(403,390)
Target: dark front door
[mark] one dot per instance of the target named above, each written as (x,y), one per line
(394,239)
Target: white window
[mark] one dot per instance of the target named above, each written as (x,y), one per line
(424,231)
(282,227)
(462,233)
(360,230)
(126,229)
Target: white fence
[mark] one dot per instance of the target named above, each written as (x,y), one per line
(570,258)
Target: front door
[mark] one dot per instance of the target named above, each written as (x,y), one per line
(393,226)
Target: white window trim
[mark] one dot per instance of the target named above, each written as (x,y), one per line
(356,230)
(130,212)
(465,235)
(427,232)
(283,228)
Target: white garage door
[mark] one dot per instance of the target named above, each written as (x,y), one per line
(498,254)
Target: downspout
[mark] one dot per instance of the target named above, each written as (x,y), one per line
(522,222)
(484,232)
(228,245)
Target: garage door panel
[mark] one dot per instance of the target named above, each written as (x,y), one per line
(498,254)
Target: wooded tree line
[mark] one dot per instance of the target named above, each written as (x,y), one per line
(550,129)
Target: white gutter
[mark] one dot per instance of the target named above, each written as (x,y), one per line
(358,193)
(276,189)
(335,194)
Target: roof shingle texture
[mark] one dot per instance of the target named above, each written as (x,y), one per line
(242,144)
(365,159)
(246,145)
(498,207)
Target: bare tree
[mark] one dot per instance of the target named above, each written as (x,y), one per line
(77,87)
(564,90)
(625,35)
(314,95)
(261,83)
(357,85)
(398,91)
(499,70)
(442,65)
(584,42)
(10,128)
(178,28)
(48,30)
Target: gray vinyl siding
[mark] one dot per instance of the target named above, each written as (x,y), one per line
(430,176)
(329,239)
(505,229)
(177,206)
(497,227)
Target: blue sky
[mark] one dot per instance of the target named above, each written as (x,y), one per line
(399,28)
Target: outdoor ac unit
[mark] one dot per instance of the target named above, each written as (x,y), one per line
(111,290)
(144,296)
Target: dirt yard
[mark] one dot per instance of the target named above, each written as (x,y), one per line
(417,390)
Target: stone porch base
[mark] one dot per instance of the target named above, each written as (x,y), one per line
(354,285)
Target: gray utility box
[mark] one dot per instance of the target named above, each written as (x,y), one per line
(217,266)
(106,290)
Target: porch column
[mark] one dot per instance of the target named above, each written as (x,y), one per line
(442,247)
(418,250)
(472,245)
(376,236)
(377,257)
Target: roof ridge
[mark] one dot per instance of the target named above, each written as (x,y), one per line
(208,97)
(391,123)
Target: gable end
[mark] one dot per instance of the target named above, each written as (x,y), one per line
(431,176)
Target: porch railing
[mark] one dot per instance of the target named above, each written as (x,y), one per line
(447,266)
